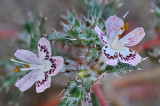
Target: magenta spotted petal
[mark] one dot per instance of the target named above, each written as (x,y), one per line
(129,56)
(132,38)
(111,55)
(43,67)
(114,48)
(43,82)
(56,63)
(44,49)
(102,36)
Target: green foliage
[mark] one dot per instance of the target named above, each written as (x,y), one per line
(94,8)
(119,68)
(4,63)
(57,36)
(35,29)
(109,10)
(157,12)
(79,32)
(30,26)
(88,82)
(95,100)
(74,94)
(77,91)
(16,94)
(92,55)
(9,80)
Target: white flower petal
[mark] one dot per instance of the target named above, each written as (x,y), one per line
(43,82)
(102,36)
(111,55)
(55,64)
(27,56)
(113,27)
(129,56)
(27,81)
(44,49)
(132,38)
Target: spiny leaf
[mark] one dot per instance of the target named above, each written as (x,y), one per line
(94,8)
(92,55)
(119,68)
(109,10)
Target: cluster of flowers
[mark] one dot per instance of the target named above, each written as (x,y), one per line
(44,66)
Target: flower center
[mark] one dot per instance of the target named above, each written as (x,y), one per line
(46,65)
(113,47)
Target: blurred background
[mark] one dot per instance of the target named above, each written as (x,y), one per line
(13,16)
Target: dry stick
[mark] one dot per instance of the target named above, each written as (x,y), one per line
(99,93)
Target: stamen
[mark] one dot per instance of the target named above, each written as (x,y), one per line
(27,65)
(119,35)
(17,69)
(122,28)
(17,61)
(126,28)
(126,24)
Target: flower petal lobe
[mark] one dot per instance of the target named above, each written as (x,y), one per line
(133,38)
(102,36)
(56,64)
(43,82)
(129,56)
(27,81)
(113,26)
(111,55)
(27,56)
(44,49)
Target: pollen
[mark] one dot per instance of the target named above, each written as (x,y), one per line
(126,24)
(27,65)
(119,35)
(17,69)
(122,28)
(126,28)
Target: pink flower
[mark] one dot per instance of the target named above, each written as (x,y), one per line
(116,47)
(43,67)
